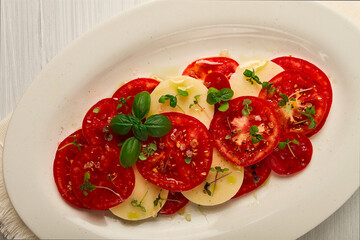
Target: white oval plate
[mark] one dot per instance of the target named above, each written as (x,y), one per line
(162,38)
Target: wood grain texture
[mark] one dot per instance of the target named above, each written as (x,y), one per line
(34,31)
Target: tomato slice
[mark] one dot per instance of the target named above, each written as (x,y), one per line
(285,161)
(112,183)
(216,80)
(200,68)
(231,131)
(187,141)
(174,202)
(96,123)
(254,176)
(65,155)
(302,94)
(126,93)
(315,74)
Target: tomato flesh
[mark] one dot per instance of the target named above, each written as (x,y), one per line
(167,167)
(302,93)
(200,68)
(315,74)
(287,162)
(231,131)
(254,176)
(174,202)
(113,183)
(65,156)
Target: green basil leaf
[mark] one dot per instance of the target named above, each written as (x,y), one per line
(223,107)
(226,94)
(121,124)
(141,105)
(158,125)
(130,152)
(140,132)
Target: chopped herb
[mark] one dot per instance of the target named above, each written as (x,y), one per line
(282,145)
(222,97)
(122,101)
(254,133)
(72,143)
(196,102)
(142,156)
(188,160)
(148,151)
(108,136)
(247,109)
(96,110)
(173,99)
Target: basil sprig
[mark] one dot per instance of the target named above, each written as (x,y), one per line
(222,97)
(156,126)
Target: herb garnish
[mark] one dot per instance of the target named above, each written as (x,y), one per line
(252,77)
(247,109)
(173,99)
(310,113)
(139,205)
(231,131)
(222,97)
(72,143)
(122,101)
(148,151)
(156,126)
(96,110)
(87,186)
(218,170)
(254,133)
(282,145)
(159,198)
(196,102)
(188,160)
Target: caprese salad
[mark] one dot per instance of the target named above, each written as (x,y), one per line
(208,136)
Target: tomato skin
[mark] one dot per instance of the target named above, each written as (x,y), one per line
(216,80)
(130,89)
(200,68)
(102,164)
(315,74)
(307,93)
(175,201)
(254,176)
(166,168)
(239,149)
(283,162)
(64,157)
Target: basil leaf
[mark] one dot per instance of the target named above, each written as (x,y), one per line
(130,152)
(141,105)
(140,132)
(226,94)
(121,124)
(223,107)
(158,125)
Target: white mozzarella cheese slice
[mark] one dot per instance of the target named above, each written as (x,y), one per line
(202,111)
(265,70)
(144,194)
(227,184)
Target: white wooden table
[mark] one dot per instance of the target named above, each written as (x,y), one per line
(34,31)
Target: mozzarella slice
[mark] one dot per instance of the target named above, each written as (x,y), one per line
(144,194)
(265,70)
(202,111)
(227,184)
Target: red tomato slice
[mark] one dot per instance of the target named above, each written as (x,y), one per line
(175,201)
(231,131)
(315,74)
(113,183)
(65,155)
(96,123)
(285,161)
(200,68)
(167,168)
(307,93)
(126,93)
(216,80)
(254,176)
